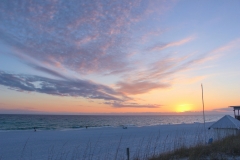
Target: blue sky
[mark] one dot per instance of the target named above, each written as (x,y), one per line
(118,56)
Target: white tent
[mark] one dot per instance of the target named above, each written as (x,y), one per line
(226,126)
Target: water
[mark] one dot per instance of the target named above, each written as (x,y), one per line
(62,122)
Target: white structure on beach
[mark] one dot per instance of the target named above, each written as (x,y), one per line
(225,126)
(236,111)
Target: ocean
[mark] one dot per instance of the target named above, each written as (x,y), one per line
(66,122)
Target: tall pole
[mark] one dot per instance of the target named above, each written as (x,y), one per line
(203,115)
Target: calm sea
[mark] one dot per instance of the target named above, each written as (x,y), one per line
(62,122)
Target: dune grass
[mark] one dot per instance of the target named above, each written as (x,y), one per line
(226,148)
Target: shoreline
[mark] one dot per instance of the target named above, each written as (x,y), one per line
(94,127)
(43,122)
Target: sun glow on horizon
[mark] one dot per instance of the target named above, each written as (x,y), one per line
(184,108)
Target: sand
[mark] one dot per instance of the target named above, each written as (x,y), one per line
(100,143)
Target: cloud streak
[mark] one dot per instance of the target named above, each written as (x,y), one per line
(162,46)
(131,105)
(70,87)
(137,87)
(157,75)
(47,70)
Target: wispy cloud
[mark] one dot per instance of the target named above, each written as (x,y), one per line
(19,111)
(226,109)
(69,87)
(157,75)
(96,39)
(218,52)
(189,80)
(139,87)
(226,47)
(132,105)
(89,37)
(118,71)
(49,71)
(86,40)
(161,46)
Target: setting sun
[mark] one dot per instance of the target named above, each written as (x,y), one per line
(118,79)
(184,108)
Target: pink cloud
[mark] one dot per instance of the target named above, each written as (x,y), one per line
(159,74)
(231,45)
(132,105)
(161,46)
(138,87)
(95,39)
(219,51)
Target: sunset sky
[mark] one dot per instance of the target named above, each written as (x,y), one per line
(119,57)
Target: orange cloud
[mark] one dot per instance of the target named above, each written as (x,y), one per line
(139,87)
(227,47)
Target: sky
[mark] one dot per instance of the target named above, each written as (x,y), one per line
(119,56)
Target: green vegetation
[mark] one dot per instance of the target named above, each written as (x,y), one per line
(227,148)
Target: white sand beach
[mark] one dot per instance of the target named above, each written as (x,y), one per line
(100,143)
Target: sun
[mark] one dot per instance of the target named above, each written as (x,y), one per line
(184,108)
